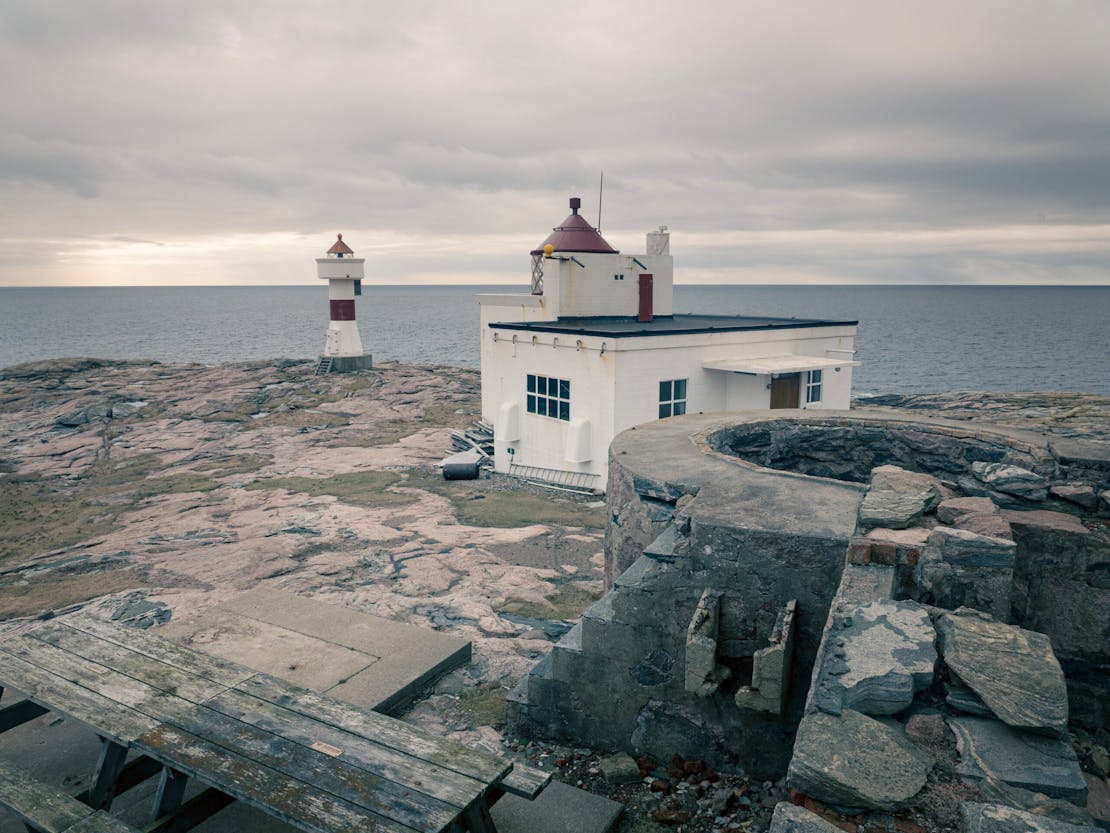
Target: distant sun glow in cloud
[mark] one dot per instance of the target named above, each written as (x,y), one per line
(808,142)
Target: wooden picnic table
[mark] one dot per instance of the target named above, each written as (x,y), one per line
(311,760)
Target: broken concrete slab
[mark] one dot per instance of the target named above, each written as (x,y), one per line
(771,667)
(888,652)
(1013,671)
(560,808)
(997,818)
(704,674)
(366,660)
(991,749)
(790,818)
(852,760)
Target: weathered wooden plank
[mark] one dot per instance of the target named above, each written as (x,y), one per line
(317,769)
(387,731)
(159,648)
(100,822)
(155,673)
(116,687)
(171,789)
(43,806)
(525,781)
(191,813)
(363,753)
(19,713)
(259,786)
(85,705)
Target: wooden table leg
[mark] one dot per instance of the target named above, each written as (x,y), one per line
(171,789)
(477,818)
(106,776)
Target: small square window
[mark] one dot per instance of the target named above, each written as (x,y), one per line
(672,398)
(548,397)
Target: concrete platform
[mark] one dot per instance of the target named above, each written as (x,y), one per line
(560,808)
(366,660)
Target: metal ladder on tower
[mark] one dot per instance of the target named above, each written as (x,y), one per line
(323,366)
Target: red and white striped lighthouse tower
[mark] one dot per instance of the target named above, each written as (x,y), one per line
(343,346)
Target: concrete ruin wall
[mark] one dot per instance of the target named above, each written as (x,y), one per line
(705,553)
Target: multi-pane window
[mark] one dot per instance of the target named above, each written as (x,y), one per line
(813,386)
(548,397)
(672,398)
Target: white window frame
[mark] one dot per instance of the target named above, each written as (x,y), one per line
(555,399)
(815,380)
(670,403)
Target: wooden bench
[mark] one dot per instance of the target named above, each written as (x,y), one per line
(300,756)
(46,809)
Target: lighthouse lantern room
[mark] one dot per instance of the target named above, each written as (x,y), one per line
(342,346)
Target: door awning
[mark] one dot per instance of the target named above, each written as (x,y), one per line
(776,364)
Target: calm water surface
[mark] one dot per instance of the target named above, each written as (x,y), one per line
(911,339)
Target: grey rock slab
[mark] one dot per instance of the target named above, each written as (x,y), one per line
(990,525)
(903,480)
(852,760)
(1013,671)
(890,653)
(990,749)
(967,701)
(949,510)
(892,509)
(969,549)
(1012,480)
(1080,494)
(620,769)
(997,818)
(790,818)
(560,808)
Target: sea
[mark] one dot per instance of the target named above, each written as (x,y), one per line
(912,339)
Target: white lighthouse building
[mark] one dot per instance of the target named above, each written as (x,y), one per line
(596,348)
(342,345)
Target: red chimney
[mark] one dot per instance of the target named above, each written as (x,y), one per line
(646,294)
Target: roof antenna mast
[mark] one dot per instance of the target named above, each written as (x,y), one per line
(600,192)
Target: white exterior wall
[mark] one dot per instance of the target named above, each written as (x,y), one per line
(342,338)
(591,289)
(545,441)
(619,388)
(340,267)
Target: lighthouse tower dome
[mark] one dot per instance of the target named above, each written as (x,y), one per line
(342,344)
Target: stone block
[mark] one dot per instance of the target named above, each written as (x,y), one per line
(949,510)
(704,674)
(1012,480)
(902,480)
(961,569)
(1013,671)
(997,818)
(988,525)
(620,769)
(886,654)
(891,508)
(989,749)
(854,761)
(771,668)
(559,808)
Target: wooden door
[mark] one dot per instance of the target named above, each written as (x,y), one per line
(785,390)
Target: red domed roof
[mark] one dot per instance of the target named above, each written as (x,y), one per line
(575,234)
(339,247)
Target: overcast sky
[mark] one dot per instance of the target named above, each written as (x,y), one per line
(154,142)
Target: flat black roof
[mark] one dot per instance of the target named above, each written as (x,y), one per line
(623,326)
